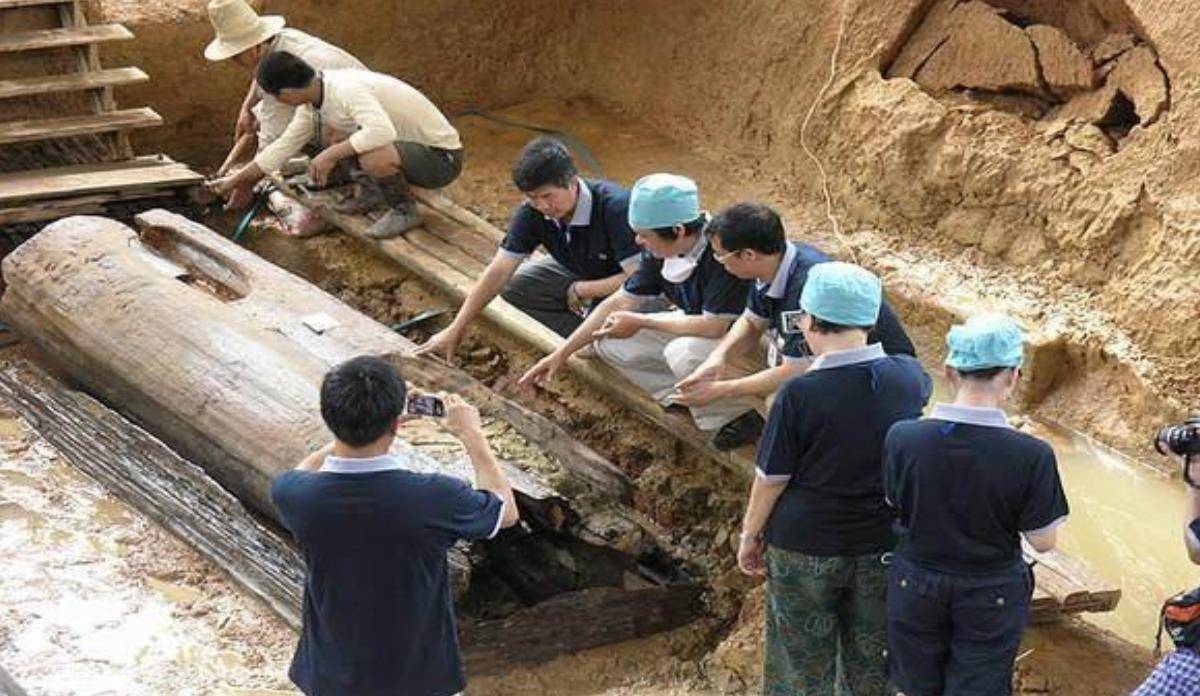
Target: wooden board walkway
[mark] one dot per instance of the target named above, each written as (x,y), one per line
(450,251)
(137,174)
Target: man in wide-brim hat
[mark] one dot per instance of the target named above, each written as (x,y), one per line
(246,38)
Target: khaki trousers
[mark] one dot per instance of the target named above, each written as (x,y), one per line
(656,360)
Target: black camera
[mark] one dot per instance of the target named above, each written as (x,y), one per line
(1182,440)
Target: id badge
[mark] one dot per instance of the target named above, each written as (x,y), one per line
(790,321)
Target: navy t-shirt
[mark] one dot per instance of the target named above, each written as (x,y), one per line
(709,290)
(592,251)
(824,438)
(378,617)
(763,308)
(963,492)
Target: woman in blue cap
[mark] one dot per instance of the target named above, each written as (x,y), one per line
(966,487)
(817,524)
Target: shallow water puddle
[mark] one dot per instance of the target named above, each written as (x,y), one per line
(94,600)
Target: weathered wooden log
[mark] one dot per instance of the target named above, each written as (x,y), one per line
(143,472)
(573,622)
(220,353)
(9,686)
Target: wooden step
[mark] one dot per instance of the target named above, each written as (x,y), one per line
(14,4)
(72,126)
(73,82)
(63,38)
(141,174)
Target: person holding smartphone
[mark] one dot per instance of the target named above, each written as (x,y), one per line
(378,617)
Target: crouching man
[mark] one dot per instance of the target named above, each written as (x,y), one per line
(966,487)
(378,617)
(749,240)
(817,524)
(655,349)
(580,223)
(397,136)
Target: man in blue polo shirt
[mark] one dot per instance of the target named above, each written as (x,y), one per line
(817,524)
(378,617)
(582,224)
(632,331)
(749,239)
(966,487)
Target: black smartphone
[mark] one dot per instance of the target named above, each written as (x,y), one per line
(424,405)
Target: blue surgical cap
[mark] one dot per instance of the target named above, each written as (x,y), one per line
(985,341)
(842,293)
(663,200)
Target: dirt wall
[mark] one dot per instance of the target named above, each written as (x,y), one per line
(462,54)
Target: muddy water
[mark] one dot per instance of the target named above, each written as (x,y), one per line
(95,600)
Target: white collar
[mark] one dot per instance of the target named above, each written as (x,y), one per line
(971,415)
(582,216)
(782,274)
(851,356)
(360,465)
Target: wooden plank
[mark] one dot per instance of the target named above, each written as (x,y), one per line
(73,126)
(63,38)
(584,619)
(83,205)
(38,185)
(72,82)
(1087,592)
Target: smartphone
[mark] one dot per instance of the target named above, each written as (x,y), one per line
(424,405)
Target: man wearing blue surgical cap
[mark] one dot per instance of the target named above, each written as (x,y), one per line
(965,487)
(817,524)
(671,313)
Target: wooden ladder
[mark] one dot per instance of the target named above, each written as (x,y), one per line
(39,194)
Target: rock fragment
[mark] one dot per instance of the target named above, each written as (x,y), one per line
(1139,78)
(983,51)
(1112,46)
(1065,69)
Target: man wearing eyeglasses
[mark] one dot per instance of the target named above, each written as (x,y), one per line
(748,239)
(637,331)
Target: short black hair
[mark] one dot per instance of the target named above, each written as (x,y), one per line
(828,327)
(749,226)
(360,398)
(689,227)
(281,70)
(987,374)
(543,161)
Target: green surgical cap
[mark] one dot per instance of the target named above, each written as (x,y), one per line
(842,293)
(983,342)
(663,200)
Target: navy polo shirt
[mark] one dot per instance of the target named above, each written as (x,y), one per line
(709,290)
(824,439)
(378,617)
(768,301)
(595,243)
(964,484)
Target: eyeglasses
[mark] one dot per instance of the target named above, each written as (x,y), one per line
(720,258)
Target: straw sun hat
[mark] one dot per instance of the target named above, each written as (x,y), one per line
(238,28)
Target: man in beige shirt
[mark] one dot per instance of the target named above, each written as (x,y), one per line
(396,133)
(246,38)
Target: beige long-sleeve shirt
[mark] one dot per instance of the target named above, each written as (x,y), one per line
(376,109)
(273,115)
